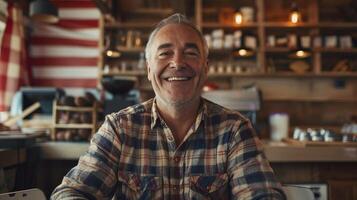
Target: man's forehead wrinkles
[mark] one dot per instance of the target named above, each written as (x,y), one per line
(165,45)
(188,45)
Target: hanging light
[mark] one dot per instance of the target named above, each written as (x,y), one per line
(238,18)
(112,51)
(243,50)
(43,11)
(295,15)
(299,51)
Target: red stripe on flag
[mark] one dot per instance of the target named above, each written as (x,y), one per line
(77,23)
(86,83)
(35,40)
(65,62)
(5,47)
(74,4)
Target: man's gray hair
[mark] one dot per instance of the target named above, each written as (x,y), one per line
(174,19)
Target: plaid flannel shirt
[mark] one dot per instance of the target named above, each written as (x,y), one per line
(134,156)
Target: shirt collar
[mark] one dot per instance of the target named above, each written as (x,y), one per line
(154,114)
(202,114)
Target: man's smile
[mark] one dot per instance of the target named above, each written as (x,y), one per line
(178,78)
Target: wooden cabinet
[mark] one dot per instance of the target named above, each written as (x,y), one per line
(328,36)
(343,189)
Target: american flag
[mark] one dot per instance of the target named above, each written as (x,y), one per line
(65,54)
(13,66)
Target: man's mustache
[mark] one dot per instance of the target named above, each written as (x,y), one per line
(182,71)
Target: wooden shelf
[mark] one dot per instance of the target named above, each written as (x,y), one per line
(133,25)
(310,99)
(335,128)
(288,25)
(235,26)
(313,75)
(209,10)
(318,50)
(334,25)
(247,74)
(74,126)
(277,49)
(153,11)
(134,50)
(71,108)
(337,74)
(322,50)
(330,25)
(336,50)
(291,75)
(319,144)
(131,50)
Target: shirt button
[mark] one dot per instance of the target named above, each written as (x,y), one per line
(170,138)
(177,159)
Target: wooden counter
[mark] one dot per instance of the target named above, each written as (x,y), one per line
(283,152)
(12,157)
(62,150)
(275,152)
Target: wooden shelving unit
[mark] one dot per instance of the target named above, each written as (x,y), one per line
(264,24)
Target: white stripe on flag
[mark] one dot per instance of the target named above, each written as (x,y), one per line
(13,69)
(79,13)
(16,42)
(65,73)
(63,66)
(63,51)
(52,31)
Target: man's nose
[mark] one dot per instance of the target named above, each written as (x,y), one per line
(177,60)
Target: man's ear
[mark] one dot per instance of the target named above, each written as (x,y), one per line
(206,67)
(148,70)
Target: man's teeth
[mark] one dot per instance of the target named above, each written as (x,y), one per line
(178,79)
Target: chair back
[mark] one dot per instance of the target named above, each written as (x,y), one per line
(30,194)
(293,192)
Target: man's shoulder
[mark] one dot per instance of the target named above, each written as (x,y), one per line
(214,110)
(137,109)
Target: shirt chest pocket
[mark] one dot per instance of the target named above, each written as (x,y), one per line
(134,186)
(209,187)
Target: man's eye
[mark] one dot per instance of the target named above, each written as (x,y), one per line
(192,53)
(164,54)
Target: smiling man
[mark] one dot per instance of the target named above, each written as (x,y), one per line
(177,145)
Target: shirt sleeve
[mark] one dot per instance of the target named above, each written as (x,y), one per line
(95,176)
(250,174)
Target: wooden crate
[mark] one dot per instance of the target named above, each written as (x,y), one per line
(76,126)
